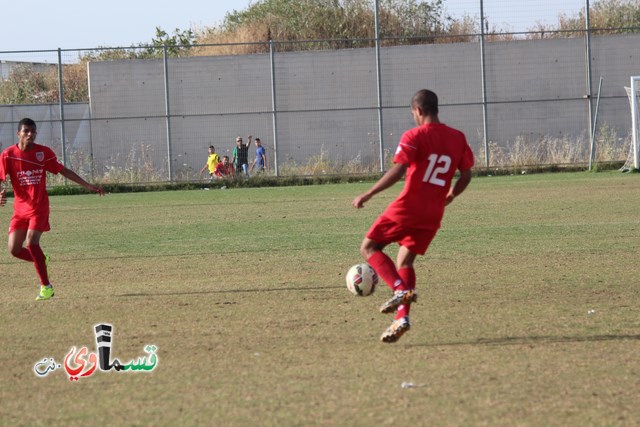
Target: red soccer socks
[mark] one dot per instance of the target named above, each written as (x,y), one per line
(40,262)
(386,269)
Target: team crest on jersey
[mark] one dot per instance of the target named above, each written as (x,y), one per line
(40,156)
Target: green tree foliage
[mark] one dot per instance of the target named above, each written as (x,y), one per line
(343,23)
(605,16)
(412,18)
(179,44)
(26,85)
(343,20)
(615,16)
(304,19)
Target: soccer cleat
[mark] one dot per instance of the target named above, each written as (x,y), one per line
(45,293)
(396,330)
(398,298)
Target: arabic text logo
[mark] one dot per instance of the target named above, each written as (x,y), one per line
(80,363)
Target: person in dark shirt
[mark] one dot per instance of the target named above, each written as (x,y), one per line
(241,156)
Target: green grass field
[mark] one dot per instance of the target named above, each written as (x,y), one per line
(528,310)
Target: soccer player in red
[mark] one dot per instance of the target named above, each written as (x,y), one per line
(429,154)
(27,164)
(224,169)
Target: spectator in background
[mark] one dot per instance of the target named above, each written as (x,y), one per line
(212,162)
(260,162)
(224,169)
(241,156)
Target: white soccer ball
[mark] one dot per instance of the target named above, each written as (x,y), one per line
(362,280)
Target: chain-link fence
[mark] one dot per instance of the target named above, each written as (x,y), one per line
(523,91)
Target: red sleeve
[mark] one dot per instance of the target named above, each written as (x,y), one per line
(467,160)
(3,167)
(407,149)
(51,163)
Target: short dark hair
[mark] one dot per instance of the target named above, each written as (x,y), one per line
(427,101)
(26,122)
(258,140)
(212,147)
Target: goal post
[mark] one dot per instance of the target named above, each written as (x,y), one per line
(634,94)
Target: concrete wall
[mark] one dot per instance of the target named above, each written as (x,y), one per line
(6,67)
(47,118)
(326,100)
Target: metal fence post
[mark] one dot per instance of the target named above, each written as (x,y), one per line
(634,120)
(483,72)
(93,163)
(589,89)
(61,103)
(379,88)
(595,125)
(167,110)
(274,113)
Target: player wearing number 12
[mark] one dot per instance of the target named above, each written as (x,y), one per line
(429,154)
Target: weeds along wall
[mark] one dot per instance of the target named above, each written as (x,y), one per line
(325,111)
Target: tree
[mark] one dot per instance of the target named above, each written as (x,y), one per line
(337,23)
(179,44)
(605,16)
(26,85)
(303,19)
(413,18)
(614,16)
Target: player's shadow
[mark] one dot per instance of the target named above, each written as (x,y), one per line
(545,339)
(225,291)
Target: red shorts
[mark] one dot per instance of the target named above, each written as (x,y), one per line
(385,231)
(35,222)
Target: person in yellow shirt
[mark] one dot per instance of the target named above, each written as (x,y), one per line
(212,162)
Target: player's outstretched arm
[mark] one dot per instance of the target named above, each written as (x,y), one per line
(68,173)
(392,176)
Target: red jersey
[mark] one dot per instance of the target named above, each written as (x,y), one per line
(432,154)
(222,170)
(28,173)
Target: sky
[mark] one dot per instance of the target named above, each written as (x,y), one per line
(517,15)
(74,24)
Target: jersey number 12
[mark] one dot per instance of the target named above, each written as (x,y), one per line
(438,165)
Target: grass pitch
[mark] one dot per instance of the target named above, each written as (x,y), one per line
(528,310)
